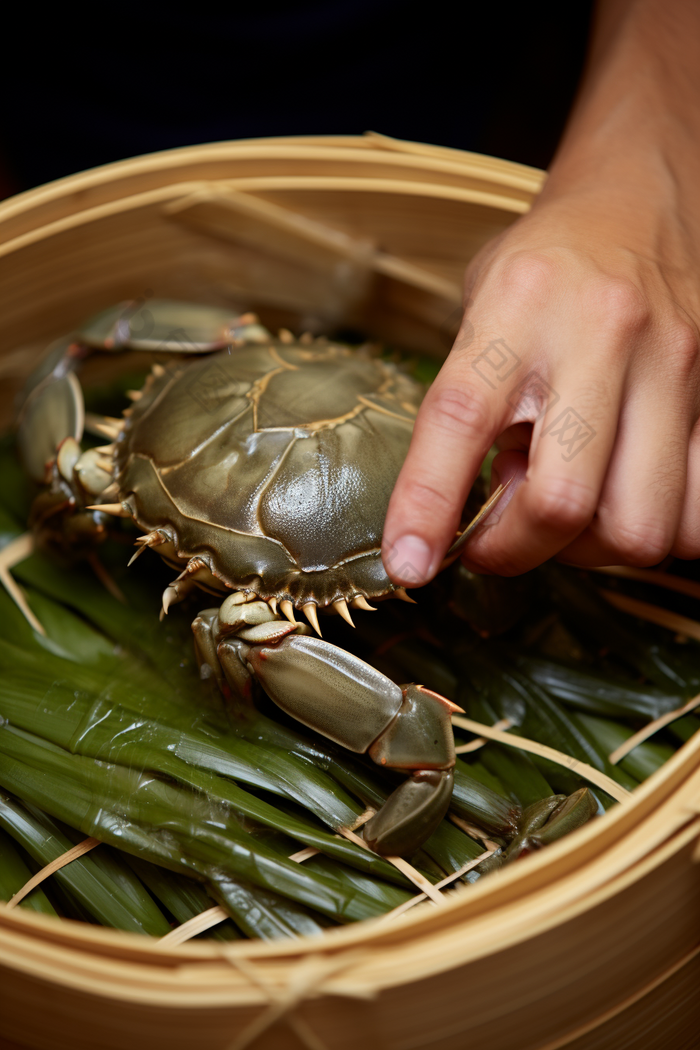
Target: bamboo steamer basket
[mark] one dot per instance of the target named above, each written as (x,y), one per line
(594,943)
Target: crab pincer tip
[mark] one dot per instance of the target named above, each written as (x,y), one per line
(452,708)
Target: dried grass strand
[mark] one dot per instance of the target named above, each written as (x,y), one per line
(402,908)
(404,867)
(197,924)
(362,819)
(480,516)
(653,614)
(653,576)
(417,879)
(474,745)
(651,728)
(472,830)
(594,776)
(304,854)
(59,862)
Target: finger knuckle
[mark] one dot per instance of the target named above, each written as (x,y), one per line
(621,306)
(460,411)
(502,564)
(527,276)
(423,492)
(682,348)
(564,505)
(687,546)
(641,543)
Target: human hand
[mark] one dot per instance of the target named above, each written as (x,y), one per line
(579,353)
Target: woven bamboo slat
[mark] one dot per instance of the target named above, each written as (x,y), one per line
(593,943)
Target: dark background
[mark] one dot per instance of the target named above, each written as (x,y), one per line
(125,79)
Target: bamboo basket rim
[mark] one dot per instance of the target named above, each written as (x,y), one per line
(78,198)
(351,148)
(543,891)
(260,184)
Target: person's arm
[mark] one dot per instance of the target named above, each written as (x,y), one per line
(583,320)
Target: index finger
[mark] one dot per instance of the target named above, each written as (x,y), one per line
(462,414)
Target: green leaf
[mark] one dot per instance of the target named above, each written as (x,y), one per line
(162,822)
(14,874)
(640,763)
(97,892)
(580,603)
(598,694)
(183,897)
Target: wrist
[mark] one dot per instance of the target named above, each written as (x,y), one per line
(633,139)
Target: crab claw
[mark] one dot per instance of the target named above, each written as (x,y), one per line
(53,411)
(547,821)
(419,738)
(350,702)
(411,813)
(573,812)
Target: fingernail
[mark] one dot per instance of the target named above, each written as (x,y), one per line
(409,560)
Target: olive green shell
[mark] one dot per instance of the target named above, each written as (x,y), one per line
(274,464)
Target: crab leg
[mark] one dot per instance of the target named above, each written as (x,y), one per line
(53,406)
(330,690)
(79,488)
(163,325)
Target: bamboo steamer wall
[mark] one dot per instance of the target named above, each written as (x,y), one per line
(594,943)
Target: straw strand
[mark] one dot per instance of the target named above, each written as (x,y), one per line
(474,745)
(404,867)
(60,862)
(197,924)
(653,614)
(472,830)
(601,780)
(651,728)
(304,854)
(691,588)
(402,908)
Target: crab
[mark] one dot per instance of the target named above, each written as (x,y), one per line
(260,468)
